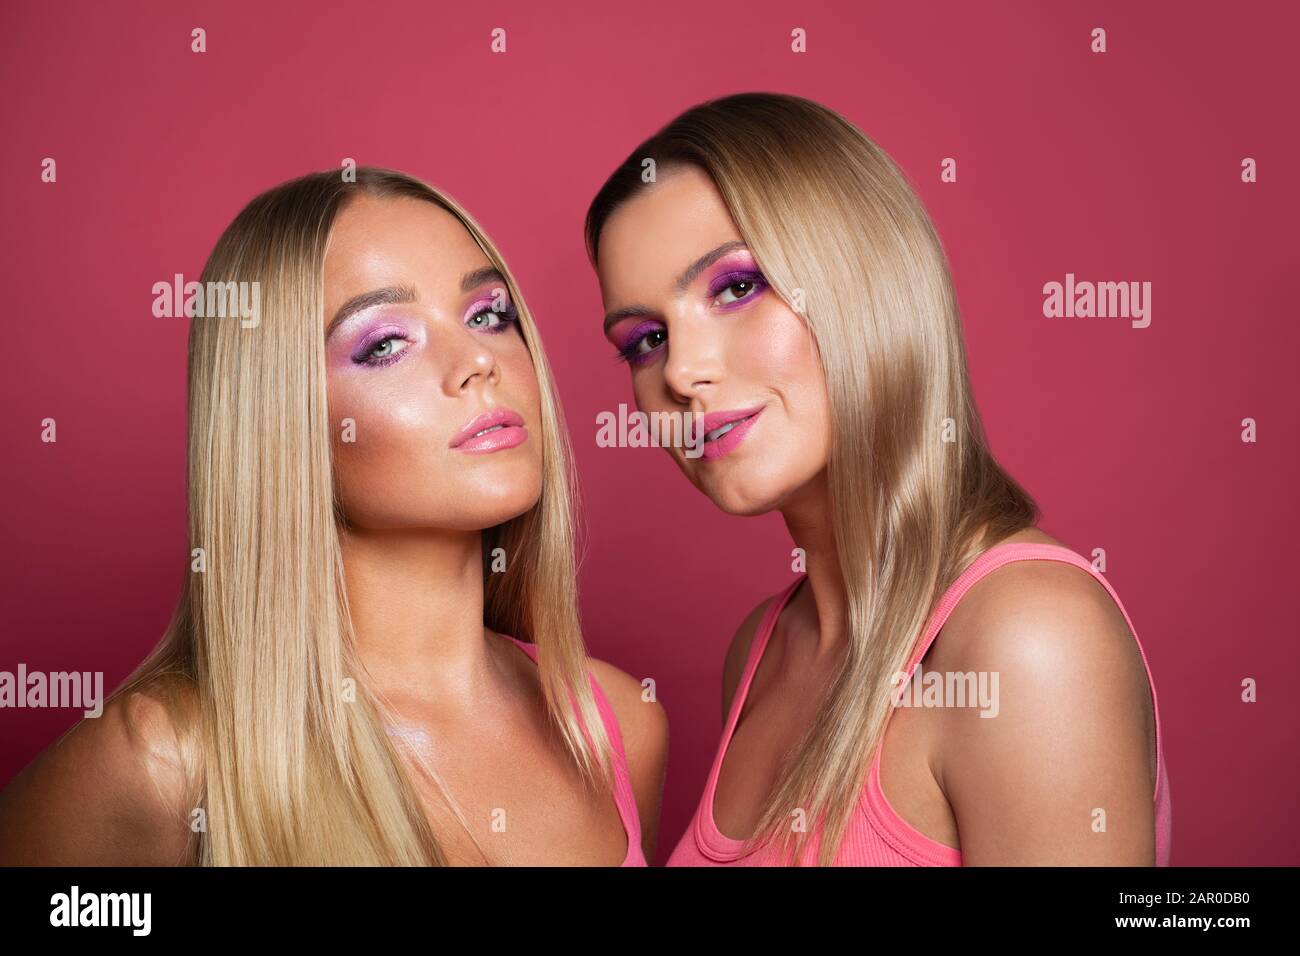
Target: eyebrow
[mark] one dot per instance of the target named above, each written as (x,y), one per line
(470,280)
(401,294)
(688,276)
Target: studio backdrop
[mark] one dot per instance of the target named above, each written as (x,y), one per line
(1159,439)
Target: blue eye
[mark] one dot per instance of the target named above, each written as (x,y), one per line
(385,350)
(493,320)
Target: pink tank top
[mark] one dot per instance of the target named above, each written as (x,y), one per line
(624,798)
(876,834)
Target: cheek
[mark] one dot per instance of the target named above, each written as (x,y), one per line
(519,386)
(778,349)
(649,392)
(807,377)
(782,352)
(379,437)
(809,397)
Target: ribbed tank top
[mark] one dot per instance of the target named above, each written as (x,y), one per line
(876,834)
(624,797)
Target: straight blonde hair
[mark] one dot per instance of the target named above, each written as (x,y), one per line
(915,492)
(254,663)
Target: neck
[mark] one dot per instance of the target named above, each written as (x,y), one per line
(808,517)
(416,599)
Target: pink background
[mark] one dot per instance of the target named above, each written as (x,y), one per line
(1123,166)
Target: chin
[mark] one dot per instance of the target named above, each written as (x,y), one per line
(497,505)
(741,499)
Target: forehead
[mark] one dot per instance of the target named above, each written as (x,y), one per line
(650,238)
(376,242)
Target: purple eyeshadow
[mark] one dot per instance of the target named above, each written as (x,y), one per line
(638,332)
(727,279)
(373,338)
(507,315)
(627,350)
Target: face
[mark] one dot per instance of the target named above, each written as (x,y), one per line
(424,354)
(691,314)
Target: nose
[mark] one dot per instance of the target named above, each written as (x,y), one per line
(694,362)
(472,364)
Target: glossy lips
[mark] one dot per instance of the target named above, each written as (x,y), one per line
(737,422)
(492,431)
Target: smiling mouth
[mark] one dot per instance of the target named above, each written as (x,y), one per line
(719,432)
(726,436)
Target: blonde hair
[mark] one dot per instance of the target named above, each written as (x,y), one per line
(826,212)
(254,661)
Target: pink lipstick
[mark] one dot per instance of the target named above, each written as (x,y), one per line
(492,431)
(723,431)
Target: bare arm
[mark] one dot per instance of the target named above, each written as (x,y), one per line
(1071,749)
(643,725)
(109,793)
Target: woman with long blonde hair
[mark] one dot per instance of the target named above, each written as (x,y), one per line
(376,658)
(768,273)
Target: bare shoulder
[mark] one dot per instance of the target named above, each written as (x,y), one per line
(113,791)
(643,727)
(642,720)
(1073,730)
(1040,614)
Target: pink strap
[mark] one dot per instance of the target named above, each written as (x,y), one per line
(992,559)
(1005,553)
(624,796)
(765,627)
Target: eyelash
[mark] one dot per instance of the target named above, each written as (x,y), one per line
(508,316)
(628,353)
(725,281)
(369,358)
